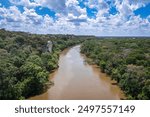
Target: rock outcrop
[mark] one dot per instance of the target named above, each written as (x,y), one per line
(49,46)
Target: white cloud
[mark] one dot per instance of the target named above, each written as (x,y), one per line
(56,5)
(26,3)
(92,3)
(98,4)
(102,4)
(29,20)
(32,17)
(131,4)
(71,3)
(124,22)
(12,14)
(71,18)
(48,21)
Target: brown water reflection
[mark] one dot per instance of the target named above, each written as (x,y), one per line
(75,79)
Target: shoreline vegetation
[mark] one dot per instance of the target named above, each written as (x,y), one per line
(25,62)
(126,61)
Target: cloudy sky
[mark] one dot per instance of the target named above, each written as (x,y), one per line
(81,17)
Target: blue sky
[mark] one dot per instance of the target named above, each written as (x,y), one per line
(80,17)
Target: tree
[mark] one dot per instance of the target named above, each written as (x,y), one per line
(36,76)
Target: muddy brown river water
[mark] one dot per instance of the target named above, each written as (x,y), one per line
(77,80)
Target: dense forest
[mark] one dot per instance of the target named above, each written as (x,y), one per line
(25,62)
(126,60)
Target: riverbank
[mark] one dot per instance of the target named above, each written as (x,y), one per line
(26,61)
(75,79)
(125,61)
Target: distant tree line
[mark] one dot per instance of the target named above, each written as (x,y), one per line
(126,60)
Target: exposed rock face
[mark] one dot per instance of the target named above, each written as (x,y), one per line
(50,46)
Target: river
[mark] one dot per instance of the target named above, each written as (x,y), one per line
(77,80)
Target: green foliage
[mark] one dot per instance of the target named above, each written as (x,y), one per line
(50,60)
(36,76)
(126,60)
(25,62)
(20,40)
